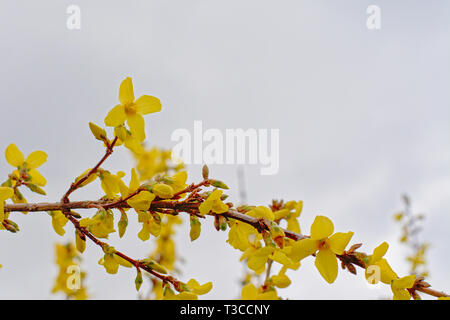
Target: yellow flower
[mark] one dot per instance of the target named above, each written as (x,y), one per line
(327,245)
(131,110)
(26,168)
(213,203)
(101,224)
(110,183)
(111,260)
(399,286)
(59,220)
(140,201)
(291,219)
(387,275)
(178,181)
(257,258)
(5,193)
(238,236)
(128,140)
(150,225)
(376,260)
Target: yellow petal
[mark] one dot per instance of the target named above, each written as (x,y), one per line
(116,116)
(58,222)
(321,228)
(298,208)
(249,292)
(262,212)
(339,241)
(141,201)
(137,126)
(326,263)
(109,184)
(80,243)
(293,225)
(110,264)
(91,178)
(196,228)
(124,191)
(303,248)
(134,145)
(134,182)
(36,159)
(163,191)
(281,258)
(199,289)
(148,104)
(281,280)
(215,195)
(37,178)
(6,193)
(144,234)
(386,272)
(179,180)
(205,207)
(404,282)
(122,261)
(379,252)
(126,93)
(14,156)
(256,263)
(219,207)
(280,214)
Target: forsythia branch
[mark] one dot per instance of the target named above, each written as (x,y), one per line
(154,195)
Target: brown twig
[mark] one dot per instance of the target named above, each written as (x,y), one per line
(76,185)
(136,263)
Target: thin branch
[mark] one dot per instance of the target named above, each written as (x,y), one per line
(136,263)
(178,206)
(76,185)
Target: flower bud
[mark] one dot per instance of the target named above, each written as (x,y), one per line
(99,133)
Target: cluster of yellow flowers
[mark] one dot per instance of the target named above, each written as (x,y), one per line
(261,248)
(26,174)
(157,191)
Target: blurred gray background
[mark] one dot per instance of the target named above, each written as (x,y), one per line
(363,117)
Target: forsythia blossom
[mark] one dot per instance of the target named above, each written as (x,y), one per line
(213,203)
(131,110)
(326,245)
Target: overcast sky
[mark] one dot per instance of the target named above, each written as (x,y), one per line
(363,117)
